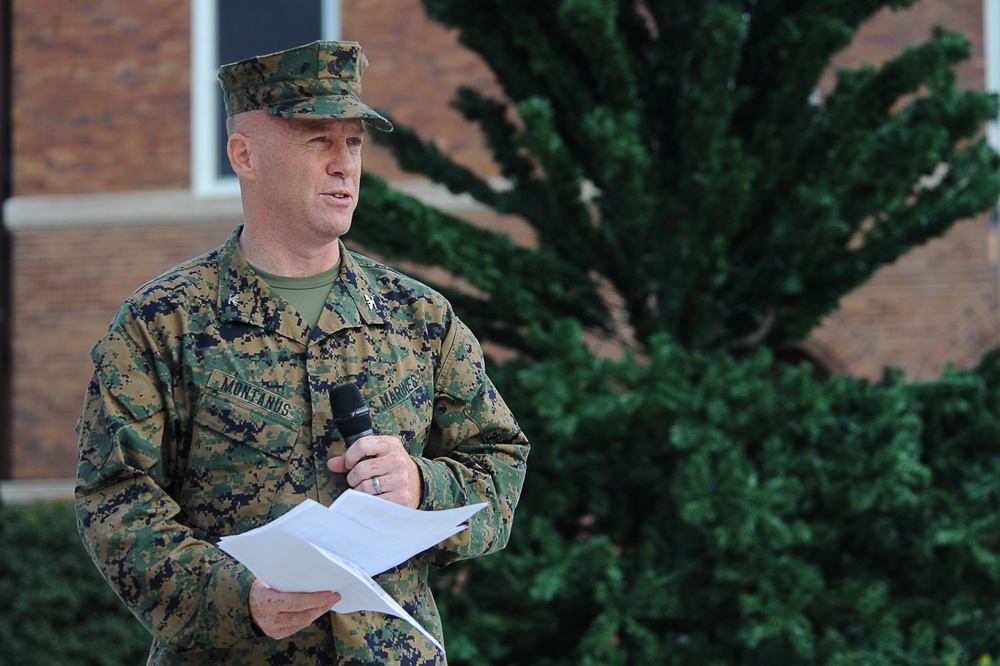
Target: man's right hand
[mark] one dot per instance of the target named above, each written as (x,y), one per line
(281,614)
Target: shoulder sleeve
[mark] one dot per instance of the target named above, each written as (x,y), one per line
(186,592)
(476,452)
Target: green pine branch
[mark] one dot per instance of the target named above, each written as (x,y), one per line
(676,153)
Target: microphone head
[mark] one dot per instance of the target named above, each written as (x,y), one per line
(346,399)
(350,412)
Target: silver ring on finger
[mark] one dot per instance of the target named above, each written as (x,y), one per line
(378,486)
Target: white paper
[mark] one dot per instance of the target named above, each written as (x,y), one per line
(313,548)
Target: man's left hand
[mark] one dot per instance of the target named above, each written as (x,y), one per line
(379,465)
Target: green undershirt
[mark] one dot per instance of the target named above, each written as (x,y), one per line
(307,295)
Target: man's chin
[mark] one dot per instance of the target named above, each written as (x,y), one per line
(332,229)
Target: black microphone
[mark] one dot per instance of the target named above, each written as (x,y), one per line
(350,413)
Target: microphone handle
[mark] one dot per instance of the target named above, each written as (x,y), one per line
(350,439)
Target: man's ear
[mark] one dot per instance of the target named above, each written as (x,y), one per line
(239,148)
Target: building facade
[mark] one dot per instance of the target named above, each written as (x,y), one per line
(114,178)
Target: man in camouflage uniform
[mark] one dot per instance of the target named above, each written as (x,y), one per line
(208,413)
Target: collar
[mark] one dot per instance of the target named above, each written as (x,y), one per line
(243,296)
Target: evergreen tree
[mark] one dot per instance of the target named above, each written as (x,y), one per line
(694,502)
(675,152)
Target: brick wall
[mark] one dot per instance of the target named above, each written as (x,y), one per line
(100,95)
(101,104)
(69,283)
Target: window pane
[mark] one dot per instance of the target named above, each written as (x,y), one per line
(255,27)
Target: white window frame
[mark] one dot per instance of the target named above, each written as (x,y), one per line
(206,95)
(991,38)
(991,56)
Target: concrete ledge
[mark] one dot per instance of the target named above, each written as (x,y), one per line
(30,213)
(24,491)
(115,209)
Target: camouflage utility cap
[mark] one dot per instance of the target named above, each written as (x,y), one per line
(318,80)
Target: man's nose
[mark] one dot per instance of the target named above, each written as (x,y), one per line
(340,163)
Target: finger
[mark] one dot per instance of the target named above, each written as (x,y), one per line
(270,600)
(364,449)
(287,624)
(386,470)
(295,602)
(369,468)
(281,614)
(307,614)
(369,457)
(357,453)
(337,464)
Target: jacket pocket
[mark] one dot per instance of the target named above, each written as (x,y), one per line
(238,460)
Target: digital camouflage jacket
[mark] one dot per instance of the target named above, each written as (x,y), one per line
(208,414)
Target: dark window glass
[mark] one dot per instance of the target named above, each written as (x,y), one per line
(254,27)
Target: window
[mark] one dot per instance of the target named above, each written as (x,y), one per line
(224,31)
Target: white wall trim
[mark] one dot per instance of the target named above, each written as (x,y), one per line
(30,213)
(26,491)
(158,207)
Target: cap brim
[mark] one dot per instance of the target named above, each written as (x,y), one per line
(330,106)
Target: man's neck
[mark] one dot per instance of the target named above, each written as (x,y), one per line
(281,256)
